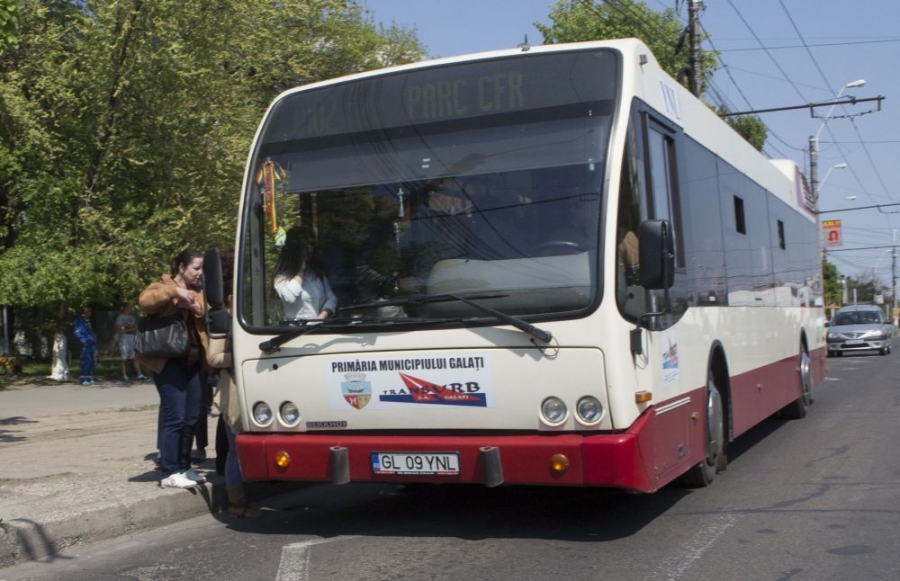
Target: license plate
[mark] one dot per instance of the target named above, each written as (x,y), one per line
(855,342)
(442,463)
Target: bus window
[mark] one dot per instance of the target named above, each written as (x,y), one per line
(664,194)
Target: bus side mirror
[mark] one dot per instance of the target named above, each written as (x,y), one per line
(657,254)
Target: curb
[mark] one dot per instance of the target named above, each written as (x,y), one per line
(28,540)
(23,540)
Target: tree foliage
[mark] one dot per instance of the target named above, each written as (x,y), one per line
(125,127)
(750,127)
(663,32)
(8,24)
(583,20)
(832,284)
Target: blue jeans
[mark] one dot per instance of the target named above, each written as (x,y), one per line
(87,363)
(178,386)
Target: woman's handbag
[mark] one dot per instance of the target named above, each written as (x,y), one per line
(162,337)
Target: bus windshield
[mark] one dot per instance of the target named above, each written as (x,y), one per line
(479,179)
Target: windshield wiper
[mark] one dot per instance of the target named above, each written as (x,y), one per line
(275,343)
(525,327)
(305,326)
(422,299)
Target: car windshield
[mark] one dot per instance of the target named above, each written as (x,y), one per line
(858,318)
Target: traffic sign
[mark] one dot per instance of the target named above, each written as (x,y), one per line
(832,230)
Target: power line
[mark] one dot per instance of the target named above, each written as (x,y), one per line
(820,45)
(766,49)
(855,208)
(853,123)
(727,69)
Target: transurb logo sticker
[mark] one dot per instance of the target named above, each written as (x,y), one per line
(403,381)
(670,365)
(357,392)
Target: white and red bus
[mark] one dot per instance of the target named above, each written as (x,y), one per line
(553,266)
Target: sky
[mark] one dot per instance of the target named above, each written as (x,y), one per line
(774,54)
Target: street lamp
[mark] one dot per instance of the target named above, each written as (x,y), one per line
(842,165)
(851,85)
(814,139)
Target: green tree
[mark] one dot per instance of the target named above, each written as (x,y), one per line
(750,128)
(663,32)
(584,20)
(8,24)
(126,125)
(832,284)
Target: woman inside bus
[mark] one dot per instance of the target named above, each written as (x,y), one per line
(300,279)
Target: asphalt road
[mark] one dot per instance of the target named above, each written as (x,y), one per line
(815,499)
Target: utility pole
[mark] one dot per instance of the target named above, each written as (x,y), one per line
(814,186)
(814,169)
(894,280)
(694,34)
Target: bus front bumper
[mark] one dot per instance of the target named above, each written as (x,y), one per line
(620,460)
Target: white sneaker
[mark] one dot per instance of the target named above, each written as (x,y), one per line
(177,480)
(193,476)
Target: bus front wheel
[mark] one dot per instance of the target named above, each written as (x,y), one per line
(703,473)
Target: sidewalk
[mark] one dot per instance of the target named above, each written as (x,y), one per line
(76,466)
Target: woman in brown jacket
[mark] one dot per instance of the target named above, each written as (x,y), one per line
(178,380)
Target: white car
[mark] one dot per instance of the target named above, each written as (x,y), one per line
(859,328)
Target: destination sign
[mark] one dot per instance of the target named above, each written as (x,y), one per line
(494,93)
(448,93)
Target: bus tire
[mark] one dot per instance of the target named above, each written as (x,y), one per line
(703,473)
(799,408)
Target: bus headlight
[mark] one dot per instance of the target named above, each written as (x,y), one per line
(589,410)
(262,413)
(553,411)
(290,415)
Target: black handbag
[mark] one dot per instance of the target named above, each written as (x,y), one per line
(162,337)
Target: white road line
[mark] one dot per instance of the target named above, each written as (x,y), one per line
(674,568)
(294,564)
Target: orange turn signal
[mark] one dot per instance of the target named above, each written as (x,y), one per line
(643,397)
(559,464)
(282,459)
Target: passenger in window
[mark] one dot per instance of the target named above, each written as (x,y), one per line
(300,279)
(627,257)
(627,246)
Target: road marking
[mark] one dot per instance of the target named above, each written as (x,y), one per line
(294,565)
(674,568)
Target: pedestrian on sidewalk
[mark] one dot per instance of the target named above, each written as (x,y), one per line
(126,327)
(84,333)
(178,379)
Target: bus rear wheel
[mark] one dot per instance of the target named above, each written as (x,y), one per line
(703,473)
(798,408)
